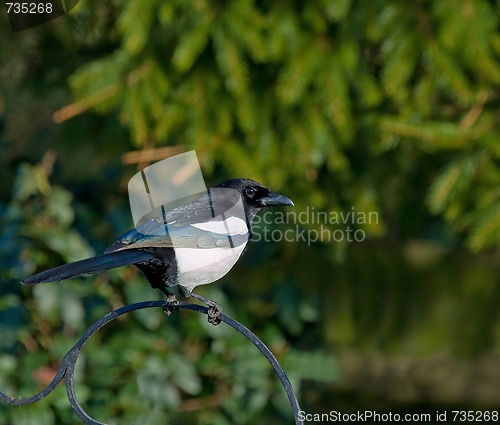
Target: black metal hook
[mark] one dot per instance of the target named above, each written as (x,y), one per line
(68,363)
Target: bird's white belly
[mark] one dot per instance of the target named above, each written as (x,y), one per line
(201,266)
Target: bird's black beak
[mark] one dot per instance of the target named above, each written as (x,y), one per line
(275,199)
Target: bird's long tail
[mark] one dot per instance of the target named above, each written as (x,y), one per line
(89,266)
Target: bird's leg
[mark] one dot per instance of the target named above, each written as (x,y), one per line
(214,310)
(171,301)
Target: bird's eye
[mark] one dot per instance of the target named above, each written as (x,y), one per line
(250,192)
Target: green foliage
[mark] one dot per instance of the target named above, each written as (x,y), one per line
(289,80)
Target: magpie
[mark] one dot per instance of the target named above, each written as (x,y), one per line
(190,245)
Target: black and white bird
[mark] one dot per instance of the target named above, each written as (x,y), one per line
(193,244)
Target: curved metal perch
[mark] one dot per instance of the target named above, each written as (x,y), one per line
(68,363)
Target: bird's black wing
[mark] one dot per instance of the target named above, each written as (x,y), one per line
(177,228)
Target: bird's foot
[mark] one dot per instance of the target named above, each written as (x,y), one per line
(214,309)
(171,303)
(170,306)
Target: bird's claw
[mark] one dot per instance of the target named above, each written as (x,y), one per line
(170,305)
(214,311)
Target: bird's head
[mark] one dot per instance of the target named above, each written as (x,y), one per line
(255,196)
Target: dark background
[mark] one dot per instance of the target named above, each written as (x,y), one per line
(384,106)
